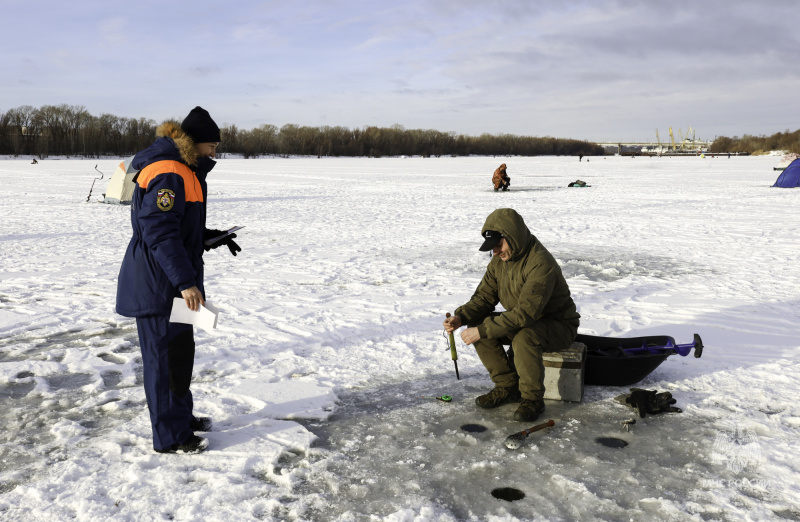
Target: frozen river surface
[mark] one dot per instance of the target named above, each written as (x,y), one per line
(330,336)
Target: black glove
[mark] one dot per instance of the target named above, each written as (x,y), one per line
(639,399)
(652,402)
(232,246)
(663,403)
(228,240)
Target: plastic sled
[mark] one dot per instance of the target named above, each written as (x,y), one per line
(616,361)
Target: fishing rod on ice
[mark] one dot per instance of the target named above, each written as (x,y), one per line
(443,398)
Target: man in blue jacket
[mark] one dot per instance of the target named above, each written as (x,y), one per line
(164,260)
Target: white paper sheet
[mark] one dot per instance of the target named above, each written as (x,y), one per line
(205,317)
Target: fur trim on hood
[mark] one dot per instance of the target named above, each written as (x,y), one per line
(184,144)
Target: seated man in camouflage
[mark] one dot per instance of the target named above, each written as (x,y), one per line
(539,314)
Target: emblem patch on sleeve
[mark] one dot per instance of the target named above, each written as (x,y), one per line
(165,198)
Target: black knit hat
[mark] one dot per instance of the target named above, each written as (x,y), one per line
(200,127)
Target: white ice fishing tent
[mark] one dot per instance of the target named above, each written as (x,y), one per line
(120,188)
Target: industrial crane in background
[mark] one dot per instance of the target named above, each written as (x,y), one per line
(686,142)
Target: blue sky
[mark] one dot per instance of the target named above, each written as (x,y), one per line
(598,70)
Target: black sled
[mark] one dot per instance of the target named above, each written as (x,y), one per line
(615,361)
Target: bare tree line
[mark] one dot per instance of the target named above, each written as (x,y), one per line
(788,141)
(69,130)
(391,141)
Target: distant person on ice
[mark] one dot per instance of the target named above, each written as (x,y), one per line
(500,178)
(540,314)
(164,260)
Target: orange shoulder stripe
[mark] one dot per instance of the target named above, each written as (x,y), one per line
(190,184)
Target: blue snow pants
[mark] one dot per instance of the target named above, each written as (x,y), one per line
(167,358)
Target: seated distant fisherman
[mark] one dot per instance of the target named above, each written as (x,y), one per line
(500,178)
(164,260)
(540,314)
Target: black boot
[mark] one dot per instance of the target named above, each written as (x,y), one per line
(529,410)
(498,397)
(200,424)
(193,444)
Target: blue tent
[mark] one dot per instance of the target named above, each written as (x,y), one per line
(790,177)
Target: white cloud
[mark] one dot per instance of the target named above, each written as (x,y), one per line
(115,31)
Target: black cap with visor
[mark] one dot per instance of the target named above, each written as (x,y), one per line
(491,239)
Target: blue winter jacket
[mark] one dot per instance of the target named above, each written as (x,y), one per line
(168,216)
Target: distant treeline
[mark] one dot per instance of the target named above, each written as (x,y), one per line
(788,141)
(392,141)
(69,130)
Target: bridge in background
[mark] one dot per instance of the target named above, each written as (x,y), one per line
(665,148)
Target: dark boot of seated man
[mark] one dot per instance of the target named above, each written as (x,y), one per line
(498,397)
(529,410)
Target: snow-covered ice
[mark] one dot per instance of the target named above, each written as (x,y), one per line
(330,334)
